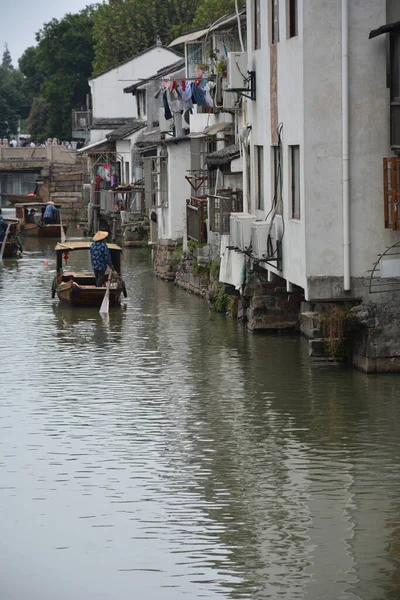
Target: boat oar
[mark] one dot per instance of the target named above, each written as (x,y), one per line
(3,245)
(105,305)
(63,237)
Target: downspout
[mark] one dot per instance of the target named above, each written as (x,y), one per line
(244,143)
(345,145)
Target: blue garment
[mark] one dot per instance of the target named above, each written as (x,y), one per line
(100,256)
(50,212)
(3,228)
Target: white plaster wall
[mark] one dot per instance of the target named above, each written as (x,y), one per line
(174,217)
(108,98)
(98,134)
(369,136)
(310,109)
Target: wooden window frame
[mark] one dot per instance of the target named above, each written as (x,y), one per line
(276,189)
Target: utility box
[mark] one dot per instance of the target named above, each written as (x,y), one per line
(237,70)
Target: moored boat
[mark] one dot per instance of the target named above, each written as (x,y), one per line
(37,228)
(21,198)
(13,246)
(79,288)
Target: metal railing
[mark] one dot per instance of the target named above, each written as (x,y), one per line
(221,205)
(196,210)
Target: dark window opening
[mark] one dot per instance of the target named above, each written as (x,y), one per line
(293,18)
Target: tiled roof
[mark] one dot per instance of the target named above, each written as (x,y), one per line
(222,157)
(159,75)
(124,62)
(124,130)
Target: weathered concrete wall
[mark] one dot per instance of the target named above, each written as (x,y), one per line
(164,264)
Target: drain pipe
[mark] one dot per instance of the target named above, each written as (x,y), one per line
(345,145)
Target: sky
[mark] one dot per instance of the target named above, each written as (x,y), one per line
(21,19)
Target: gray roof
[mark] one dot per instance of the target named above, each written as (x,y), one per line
(161,73)
(146,140)
(124,130)
(110,123)
(124,62)
(222,157)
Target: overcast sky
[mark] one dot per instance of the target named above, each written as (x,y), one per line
(21,19)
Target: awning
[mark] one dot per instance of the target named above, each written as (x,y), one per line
(94,145)
(188,37)
(217,127)
(384,29)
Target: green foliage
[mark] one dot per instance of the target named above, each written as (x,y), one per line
(142,232)
(13,102)
(209,11)
(176,256)
(7,61)
(334,326)
(38,118)
(220,302)
(123,28)
(57,71)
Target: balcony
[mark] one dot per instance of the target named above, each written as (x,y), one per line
(221,206)
(81,122)
(391,181)
(196,210)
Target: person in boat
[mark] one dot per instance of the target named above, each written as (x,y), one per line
(100,257)
(51,213)
(3,227)
(30,217)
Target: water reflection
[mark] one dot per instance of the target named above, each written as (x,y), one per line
(167,452)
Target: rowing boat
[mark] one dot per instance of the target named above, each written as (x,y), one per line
(38,228)
(13,247)
(78,288)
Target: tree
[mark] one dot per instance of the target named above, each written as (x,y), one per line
(38,119)
(209,11)
(14,104)
(123,28)
(57,71)
(7,61)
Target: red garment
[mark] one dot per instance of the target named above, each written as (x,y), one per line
(97,183)
(173,86)
(183,85)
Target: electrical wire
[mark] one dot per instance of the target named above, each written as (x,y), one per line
(239,25)
(277,202)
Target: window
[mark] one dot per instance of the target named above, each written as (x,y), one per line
(259,150)
(257,24)
(293,18)
(274,19)
(141,103)
(394,80)
(127,178)
(194,56)
(294,152)
(276,153)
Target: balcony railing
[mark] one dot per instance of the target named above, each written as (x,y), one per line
(221,205)
(196,210)
(81,120)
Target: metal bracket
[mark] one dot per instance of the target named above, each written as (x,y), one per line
(251,92)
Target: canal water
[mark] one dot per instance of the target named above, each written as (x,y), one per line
(164,452)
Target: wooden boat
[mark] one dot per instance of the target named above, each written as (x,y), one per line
(79,288)
(39,228)
(13,246)
(21,198)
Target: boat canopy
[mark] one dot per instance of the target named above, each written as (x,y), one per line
(69,246)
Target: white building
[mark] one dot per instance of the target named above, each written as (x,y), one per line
(318,131)
(111,107)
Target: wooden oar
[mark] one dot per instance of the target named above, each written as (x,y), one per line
(3,245)
(105,305)
(63,236)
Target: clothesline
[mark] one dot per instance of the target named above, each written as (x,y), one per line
(170,78)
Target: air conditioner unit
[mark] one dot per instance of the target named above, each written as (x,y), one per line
(237,70)
(243,231)
(165,124)
(263,240)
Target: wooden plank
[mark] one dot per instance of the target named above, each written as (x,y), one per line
(394,190)
(386,191)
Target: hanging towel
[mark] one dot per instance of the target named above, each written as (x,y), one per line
(167,111)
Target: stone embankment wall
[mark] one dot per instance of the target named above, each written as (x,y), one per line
(366,336)
(63,184)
